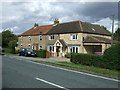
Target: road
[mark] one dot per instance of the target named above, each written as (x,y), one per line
(25,74)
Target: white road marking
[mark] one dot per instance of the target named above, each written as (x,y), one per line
(51,83)
(76,71)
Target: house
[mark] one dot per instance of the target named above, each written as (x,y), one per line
(61,38)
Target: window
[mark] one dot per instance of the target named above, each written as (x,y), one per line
(29,38)
(74,37)
(33,47)
(29,45)
(51,37)
(21,45)
(40,37)
(51,48)
(83,38)
(40,47)
(21,38)
(74,49)
(93,29)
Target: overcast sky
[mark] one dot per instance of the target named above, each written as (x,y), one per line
(21,16)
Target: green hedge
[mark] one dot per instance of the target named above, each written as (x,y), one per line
(87,59)
(68,55)
(41,53)
(112,57)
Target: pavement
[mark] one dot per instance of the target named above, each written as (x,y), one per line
(25,74)
(52,59)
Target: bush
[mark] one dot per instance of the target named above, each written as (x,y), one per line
(87,59)
(12,45)
(112,57)
(41,53)
(68,55)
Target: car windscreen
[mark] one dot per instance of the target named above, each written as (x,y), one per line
(29,50)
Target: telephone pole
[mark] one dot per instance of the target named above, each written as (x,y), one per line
(113,16)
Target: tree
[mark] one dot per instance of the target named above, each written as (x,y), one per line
(116,35)
(12,45)
(35,25)
(8,36)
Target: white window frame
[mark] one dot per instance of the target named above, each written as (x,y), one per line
(40,37)
(76,37)
(52,48)
(40,47)
(29,38)
(33,47)
(21,38)
(51,37)
(71,47)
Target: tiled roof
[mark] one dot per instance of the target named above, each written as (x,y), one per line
(96,39)
(77,27)
(62,42)
(37,30)
(67,27)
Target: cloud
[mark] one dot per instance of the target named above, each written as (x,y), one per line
(25,14)
(107,22)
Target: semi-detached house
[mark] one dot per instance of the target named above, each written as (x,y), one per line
(61,38)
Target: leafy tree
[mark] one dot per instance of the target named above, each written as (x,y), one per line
(35,25)
(8,36)
(12,45)
(116,35)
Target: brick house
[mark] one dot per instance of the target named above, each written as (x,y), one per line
(62,38)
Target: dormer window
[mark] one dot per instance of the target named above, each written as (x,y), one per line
(93,29)
(51,37)
(74,37)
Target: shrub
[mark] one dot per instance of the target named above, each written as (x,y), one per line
(12,45)
(112,57)
(41,53)
(87,59)
(68,55)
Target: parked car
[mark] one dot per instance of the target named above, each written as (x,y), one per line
(99,53)
(26,52)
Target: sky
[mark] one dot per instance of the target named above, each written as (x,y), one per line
(20,16)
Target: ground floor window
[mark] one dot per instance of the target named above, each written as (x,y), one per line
(51,48)
(33,47)
(40,47)
(74,49)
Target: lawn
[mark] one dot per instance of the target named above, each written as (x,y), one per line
(83,68)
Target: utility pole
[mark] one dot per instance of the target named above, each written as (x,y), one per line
(113,16)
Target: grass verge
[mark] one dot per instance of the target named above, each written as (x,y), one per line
(83,68)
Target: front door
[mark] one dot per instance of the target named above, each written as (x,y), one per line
(58,51)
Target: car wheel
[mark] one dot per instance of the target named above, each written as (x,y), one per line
(19,54)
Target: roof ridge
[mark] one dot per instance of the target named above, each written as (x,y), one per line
(70,22)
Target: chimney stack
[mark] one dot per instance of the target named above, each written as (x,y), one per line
(56,21)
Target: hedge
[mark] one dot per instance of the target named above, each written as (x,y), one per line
(41,53)
(88,59)
(112,57)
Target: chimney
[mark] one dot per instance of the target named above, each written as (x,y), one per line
(56,21)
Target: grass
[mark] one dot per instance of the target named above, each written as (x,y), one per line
(83,68)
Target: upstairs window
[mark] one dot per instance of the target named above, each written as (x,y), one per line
(74,37)
(51,37)
(29,38)
(21,38)
(40,37)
